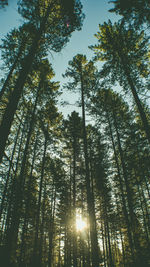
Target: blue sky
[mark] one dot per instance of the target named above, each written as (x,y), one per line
(96,12)
(9,17)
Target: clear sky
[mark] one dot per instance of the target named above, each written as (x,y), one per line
(96,12)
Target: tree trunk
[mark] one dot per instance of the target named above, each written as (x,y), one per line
(90,197)
(126,215)
(104,252)
(20,190)
(36,249)
(51,229)
(18,89)
(145,216)
(128,190)
(10,73)
(136,98)
(13,183)
(74,206)
(28,202)
(42,227)
(109,244)
(9,172)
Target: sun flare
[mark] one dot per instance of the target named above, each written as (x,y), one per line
(80,224)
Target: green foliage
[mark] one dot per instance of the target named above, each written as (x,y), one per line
(56,29)
(136,11)
(53,167)
(81,71)
(119,45)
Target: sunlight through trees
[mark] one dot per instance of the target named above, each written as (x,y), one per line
(74,190)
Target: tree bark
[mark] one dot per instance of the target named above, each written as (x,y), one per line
(9,172)
(128,190)
(90,197)
(10,72)
(126,215)
(136,98)
(20,190)
(74,205)
(18,89)
(37,224)
(28,202)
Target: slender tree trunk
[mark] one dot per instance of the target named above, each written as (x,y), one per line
(13,182)
(146,210)
(109,244)
(126,215)
(120,232)
(74,206)
(59,254)
(104,252)
(42,228)
(123,249)
(9,231)
(65,249)
(51,230)
(20,190)
(28,203)
(106,243)
(90,197)
(142,208)
(9,172)
(128,190)
(36,249)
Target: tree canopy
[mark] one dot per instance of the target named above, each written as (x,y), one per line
(74,189)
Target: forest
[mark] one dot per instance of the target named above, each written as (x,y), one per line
(75,192)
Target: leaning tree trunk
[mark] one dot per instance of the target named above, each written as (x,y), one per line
(18,89)
(9,172)
(136,98)
(13,67)
(18,203)
(11,198)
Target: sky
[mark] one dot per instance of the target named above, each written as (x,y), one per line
(96,12)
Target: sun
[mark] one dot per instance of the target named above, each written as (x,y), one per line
(80,224)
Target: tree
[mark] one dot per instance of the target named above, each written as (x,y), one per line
(72,135)
(124,51)
(82,73)
(45,91)
(133,11)
(113,112)
(14,47)
(49,30)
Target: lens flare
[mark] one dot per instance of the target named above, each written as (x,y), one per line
(80,224)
